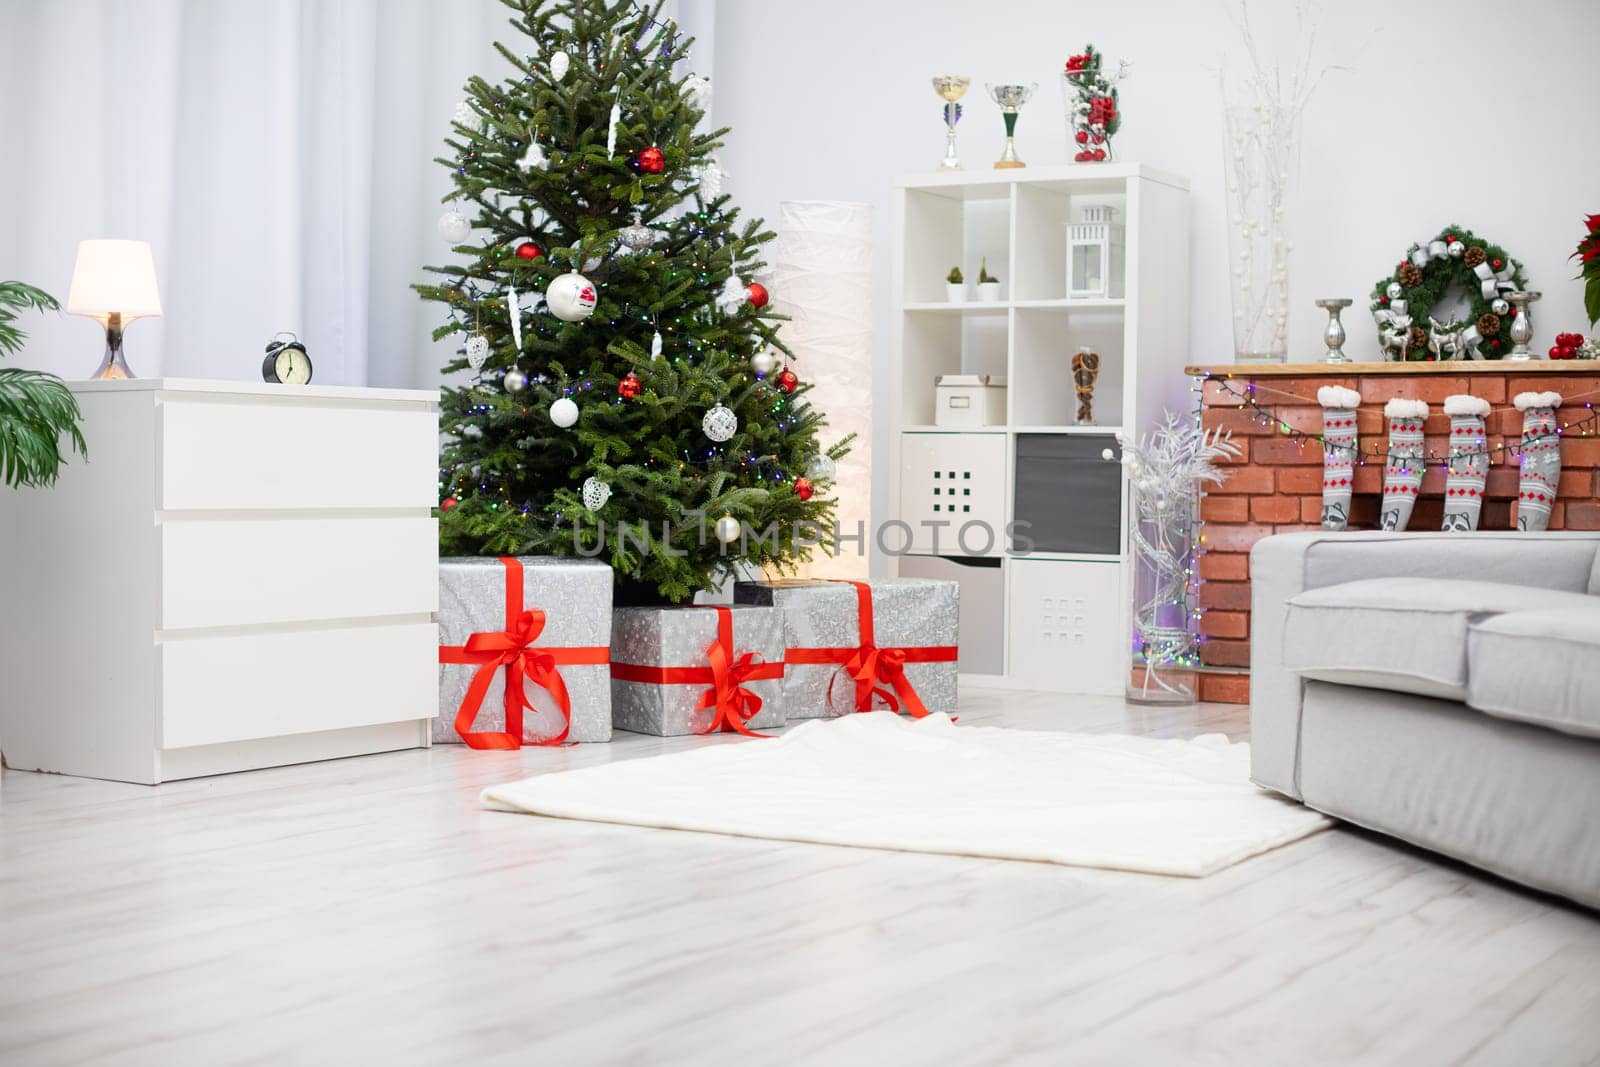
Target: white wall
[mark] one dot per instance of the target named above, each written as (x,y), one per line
(1466,111)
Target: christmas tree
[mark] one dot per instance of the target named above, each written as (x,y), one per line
(630,398)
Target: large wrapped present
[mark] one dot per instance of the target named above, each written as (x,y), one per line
(855,646)
(696,670)
(524,651)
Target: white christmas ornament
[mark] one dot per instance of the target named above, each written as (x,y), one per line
(720,424)
(534,158)
(514,310)
(559,62)
(595,493)
(465,116)
(454,226)
(711,175)
(515,381)
(571,297)
(656,345)
(727,529)
(611,130)
(821,468)
(564,413)
(733,295)
(477,351)
(764,362)
(699,91)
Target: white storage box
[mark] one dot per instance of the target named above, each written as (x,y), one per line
(965,400)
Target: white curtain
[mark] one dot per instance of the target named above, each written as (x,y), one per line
(277,154)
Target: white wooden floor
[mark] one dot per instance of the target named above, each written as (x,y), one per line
(366,912)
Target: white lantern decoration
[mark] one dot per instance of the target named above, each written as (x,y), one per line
(1096,246)
(720,424)
(595,493)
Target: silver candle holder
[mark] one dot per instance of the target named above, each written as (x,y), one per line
(1521,325)
(1333,336)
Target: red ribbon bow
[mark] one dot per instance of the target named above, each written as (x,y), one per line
(733,704)
(510,648)
(877,671)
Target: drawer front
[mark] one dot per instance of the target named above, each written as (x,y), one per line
(218,455)
(218,689)
(241,572)
(951,481)
(1066,630)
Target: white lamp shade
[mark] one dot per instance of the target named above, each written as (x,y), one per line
(114,277)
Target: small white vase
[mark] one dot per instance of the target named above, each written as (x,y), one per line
(955,292)
(989,292)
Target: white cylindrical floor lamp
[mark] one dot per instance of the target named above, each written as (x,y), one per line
(823,282)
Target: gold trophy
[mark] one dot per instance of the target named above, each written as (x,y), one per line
(951,87)
(1085,369)
(1010,99)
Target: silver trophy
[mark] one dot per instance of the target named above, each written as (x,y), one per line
(1010,99)
(1333,336)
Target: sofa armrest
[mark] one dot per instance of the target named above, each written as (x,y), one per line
(1285,565)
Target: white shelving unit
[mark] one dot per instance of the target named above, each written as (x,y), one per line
(1056,617)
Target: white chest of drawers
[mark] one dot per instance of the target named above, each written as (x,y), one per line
(242,575)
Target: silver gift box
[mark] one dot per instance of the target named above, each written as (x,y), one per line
(679,637)
(574,594)
(906,612)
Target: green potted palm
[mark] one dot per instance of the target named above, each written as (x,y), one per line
(36,409)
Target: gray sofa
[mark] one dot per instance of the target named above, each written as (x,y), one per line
(1441,688)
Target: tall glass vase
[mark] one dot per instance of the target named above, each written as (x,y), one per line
(1165,659)
(1259,163)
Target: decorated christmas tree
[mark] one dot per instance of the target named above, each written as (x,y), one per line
(630,398)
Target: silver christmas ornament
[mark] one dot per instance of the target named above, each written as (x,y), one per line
(595,493)
(1394,290)
(515,381)
(564,413)
(571,297)
(764,362)
(822,468)
(636,236)
(1457,249)
(1500,307)
(454,226)
(727,529)
(559,64)
(477,351)
(720,424)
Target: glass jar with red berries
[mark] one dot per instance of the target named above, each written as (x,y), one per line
(1090,98)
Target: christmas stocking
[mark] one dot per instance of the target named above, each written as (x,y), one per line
(1469,461)
(1541,459)
(1402,474)
(1338,452)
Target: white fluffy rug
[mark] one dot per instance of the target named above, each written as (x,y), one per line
(882,781)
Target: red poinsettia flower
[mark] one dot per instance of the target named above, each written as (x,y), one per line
(1593,222)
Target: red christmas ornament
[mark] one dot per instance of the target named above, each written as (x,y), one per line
(802,489)
(529,250)
(629,387)
(449,502)
(788,381)
(757,294)
(651,160)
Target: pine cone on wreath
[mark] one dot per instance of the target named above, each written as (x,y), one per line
(1411,276)
(1417,339)
(1474,256)
(1488,324)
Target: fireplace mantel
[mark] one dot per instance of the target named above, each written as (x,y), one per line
(1345,370)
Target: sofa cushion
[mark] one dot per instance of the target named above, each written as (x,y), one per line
(1540,667)
(1404,634)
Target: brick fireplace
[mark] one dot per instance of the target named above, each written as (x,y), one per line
(1275,485)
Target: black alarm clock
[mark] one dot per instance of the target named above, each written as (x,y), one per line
(286,362)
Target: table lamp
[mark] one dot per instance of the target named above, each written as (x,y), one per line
(115,283)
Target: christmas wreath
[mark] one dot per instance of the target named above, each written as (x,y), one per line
(1456,260)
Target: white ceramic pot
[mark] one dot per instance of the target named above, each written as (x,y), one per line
(989,292)
(955,292)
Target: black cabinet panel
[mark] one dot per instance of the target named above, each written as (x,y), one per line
(1069,498)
